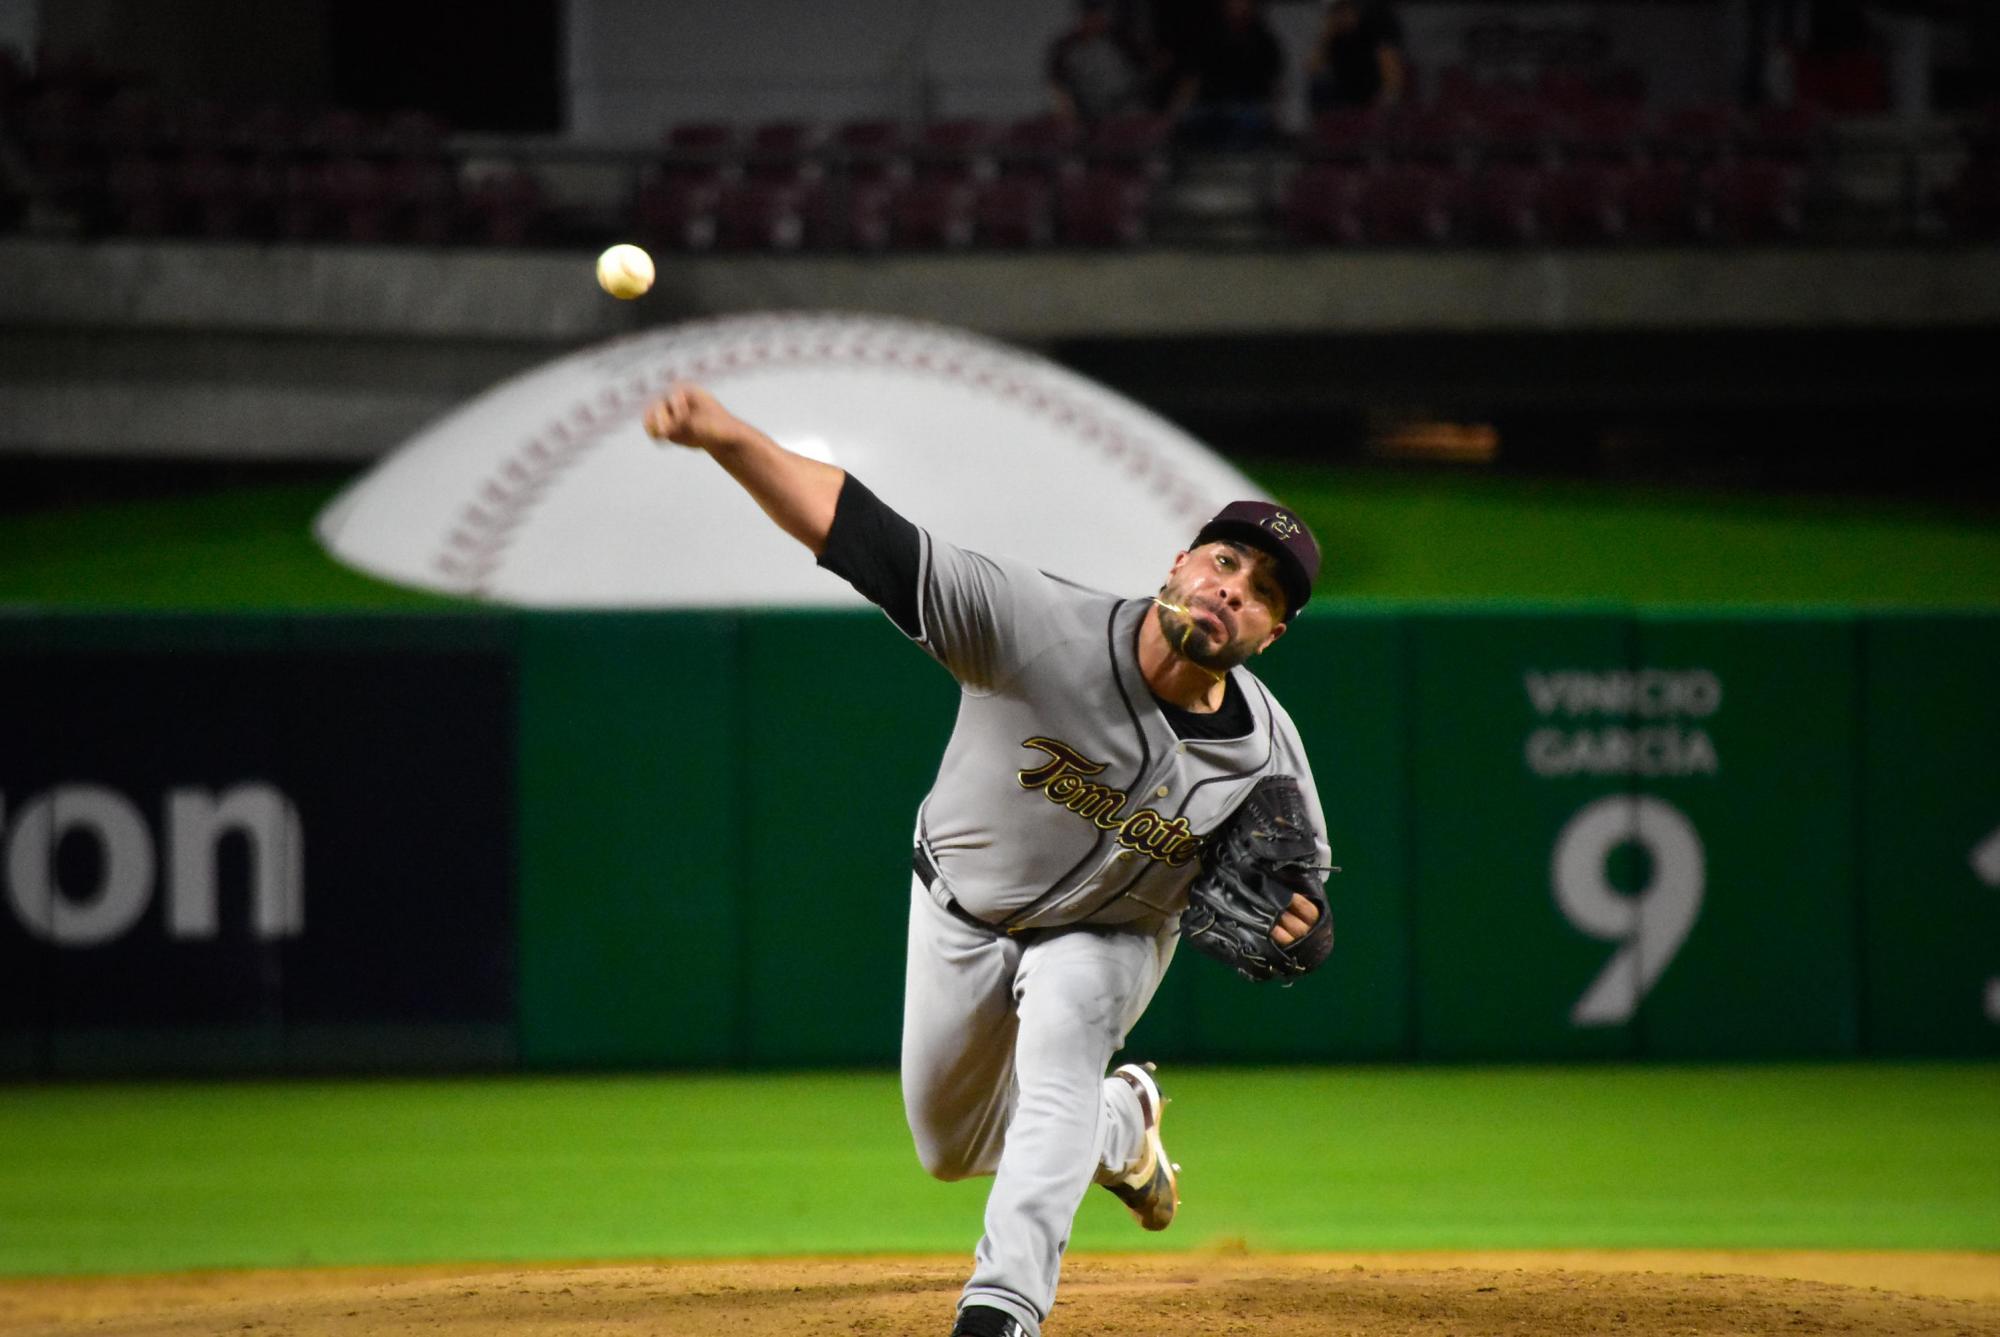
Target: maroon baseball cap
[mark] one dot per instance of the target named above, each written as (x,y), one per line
(1267,525)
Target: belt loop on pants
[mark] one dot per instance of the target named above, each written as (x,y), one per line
(927,873)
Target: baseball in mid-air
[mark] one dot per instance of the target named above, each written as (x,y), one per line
(625,271)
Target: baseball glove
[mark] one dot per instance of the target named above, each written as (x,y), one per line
(1251,870)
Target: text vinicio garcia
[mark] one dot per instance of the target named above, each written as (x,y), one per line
(1622,721)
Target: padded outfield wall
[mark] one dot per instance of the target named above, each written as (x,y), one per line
(279,842)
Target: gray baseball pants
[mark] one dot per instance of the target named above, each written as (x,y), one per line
(1005,1044)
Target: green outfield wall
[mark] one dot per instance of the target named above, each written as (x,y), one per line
(581,840)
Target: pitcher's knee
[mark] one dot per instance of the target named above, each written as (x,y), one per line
(949,1163)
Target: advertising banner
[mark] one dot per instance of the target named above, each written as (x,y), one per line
(233,842)
(1635,837)
(1523,815)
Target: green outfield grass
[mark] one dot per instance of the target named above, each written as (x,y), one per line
(1387,536)
(117,1178)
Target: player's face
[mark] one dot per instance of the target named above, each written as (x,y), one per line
(1235,606)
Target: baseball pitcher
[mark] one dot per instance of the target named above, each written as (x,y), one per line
(1116,782)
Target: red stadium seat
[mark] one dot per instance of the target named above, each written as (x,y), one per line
(698,151)
(1658,203)
(1352,135)
(1503,203)
(1584,203)
(507,208)
(1794,133)
(1322,204)
(783,152)
(1131,146)
(1757,199)
(1699,132)
(1605,131)
(839,213)
(960,149)
(1525,133)
(673,213)
(1014,211)
(760,216)
(1441,136)
(1103,209)
(871,151)
(1042,147)
(929,215)
(1410,203)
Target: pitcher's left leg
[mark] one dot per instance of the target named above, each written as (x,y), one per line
(1079,990)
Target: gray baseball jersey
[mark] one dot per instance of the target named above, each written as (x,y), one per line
(1064,796)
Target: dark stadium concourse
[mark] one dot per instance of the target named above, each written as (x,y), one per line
(1865,412)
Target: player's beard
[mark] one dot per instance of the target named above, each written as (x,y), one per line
(1187,638)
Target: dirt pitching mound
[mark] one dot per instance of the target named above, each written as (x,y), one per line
(1632,1294)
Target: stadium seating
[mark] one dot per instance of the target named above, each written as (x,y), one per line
(759,215)
(928,214)
(1756,199)
(783,152)
(1411,204)
(1351,135)
(1103,208)
(959,150)
(1043,148)
(1502,203)
(1576,156)
(1322,204)
(1014,211)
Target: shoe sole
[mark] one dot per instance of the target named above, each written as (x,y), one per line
(1144,1201)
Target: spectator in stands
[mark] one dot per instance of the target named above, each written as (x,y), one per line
(1841,67)
(1823,53)
(1358,60)
(1172,34)
(1240,73)
(1094,68)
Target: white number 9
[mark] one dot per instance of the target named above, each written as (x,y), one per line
(1651,923)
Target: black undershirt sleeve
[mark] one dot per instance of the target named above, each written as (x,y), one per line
(876,551)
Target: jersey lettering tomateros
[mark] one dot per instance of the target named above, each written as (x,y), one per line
(1061,781)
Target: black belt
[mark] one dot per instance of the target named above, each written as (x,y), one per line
(926,871)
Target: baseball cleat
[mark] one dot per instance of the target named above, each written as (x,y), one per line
(1148,1187)
(986,1321)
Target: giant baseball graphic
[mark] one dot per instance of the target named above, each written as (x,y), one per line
(546,491)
